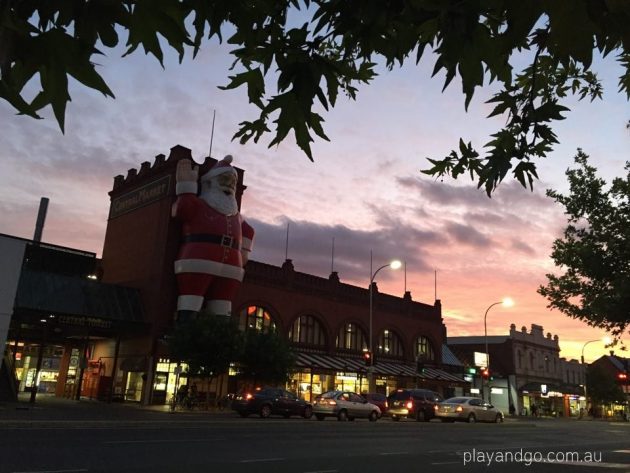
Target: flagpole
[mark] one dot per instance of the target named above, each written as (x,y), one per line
(214,114)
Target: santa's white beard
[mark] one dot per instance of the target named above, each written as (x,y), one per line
(220,201)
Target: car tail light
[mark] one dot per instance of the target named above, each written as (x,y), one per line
(459,409)
(248,396)
(386,405)
(409,405)
(436,407)
(332,402)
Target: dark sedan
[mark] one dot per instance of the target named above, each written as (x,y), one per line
(379,400)
(271,401)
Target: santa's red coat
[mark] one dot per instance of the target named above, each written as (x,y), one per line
(201,264)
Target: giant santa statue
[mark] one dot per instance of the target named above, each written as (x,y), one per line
(215,239)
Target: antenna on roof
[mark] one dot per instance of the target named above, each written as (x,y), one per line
(405,263)
(286,246)
(214,114)
(332,260)
(435,285)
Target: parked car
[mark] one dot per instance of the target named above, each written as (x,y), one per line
(379,400)
(416,404)
(271,401)
(468,409)
(344,405)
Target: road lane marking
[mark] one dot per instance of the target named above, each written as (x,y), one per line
(112,442)
(592,464)
(52,471)
(256,460)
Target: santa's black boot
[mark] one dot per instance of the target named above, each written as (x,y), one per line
(186,316)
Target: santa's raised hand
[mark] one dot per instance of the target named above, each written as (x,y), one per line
(186,176)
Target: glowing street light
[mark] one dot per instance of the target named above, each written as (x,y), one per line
(505,302)
(605,341)
(395,264)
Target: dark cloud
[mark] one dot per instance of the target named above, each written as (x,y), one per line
(467,235)
(488,218)
(523,247)
(310,247)
(508,195)
(444,193)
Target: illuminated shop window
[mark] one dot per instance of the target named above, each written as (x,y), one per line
(389,344)
(307,330)
(351,337)
(424,348)
(256,318)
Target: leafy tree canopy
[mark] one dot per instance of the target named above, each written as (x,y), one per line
(602,387)
(266,357)
(594,252)
(335,49)
(207,344)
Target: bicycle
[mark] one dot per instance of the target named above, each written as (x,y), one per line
(225,402)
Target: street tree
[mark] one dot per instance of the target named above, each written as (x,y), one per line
(593,255)
(266,358)
(311,51)
(603,388)
(208,344)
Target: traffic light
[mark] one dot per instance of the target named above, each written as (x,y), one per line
(472,371)
(420,366)
(367,357)
(485,373)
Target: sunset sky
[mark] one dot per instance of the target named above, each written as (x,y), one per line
(364,188)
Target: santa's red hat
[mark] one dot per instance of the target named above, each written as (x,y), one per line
(220,167)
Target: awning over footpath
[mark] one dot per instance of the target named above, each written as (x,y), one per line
(74,296)
(357,365)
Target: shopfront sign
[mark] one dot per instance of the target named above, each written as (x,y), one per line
(346,375)
(140,197)
(481,359)
(84,321)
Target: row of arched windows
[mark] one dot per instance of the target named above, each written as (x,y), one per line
(307,330)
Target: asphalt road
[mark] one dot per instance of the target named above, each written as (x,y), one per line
(200,442)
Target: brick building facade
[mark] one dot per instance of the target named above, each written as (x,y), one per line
(324,319)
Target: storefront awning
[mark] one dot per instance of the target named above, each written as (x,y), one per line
(317,361)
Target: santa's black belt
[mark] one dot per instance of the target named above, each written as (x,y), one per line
(223,240)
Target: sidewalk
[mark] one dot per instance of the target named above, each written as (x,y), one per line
(49,407)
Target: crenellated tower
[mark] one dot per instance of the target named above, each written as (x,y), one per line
(141,240)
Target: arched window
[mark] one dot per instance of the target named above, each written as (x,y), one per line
(424,349)
(307,330)
(256,318)
(351,337)
(389,344)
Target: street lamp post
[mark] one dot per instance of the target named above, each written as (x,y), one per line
(605,341)
(506,302)
(395,264)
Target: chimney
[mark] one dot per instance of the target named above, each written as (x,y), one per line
(41,219)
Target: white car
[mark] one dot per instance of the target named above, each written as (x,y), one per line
(344,405)
(467,409)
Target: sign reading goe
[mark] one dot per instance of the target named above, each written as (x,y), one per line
(140,197)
